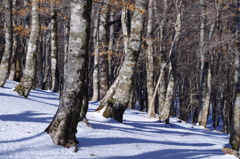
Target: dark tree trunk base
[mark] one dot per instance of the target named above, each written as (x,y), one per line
(114,110)
(58,132)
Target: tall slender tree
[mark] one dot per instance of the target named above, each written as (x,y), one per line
(202,55)
(103,49)
(162,61)
(165,113)
(26,83)
(149,61)
(95,12)
(5,64)
(54,47)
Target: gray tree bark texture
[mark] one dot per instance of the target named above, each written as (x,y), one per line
(118,95)
(165,113)
(205,109)
(149,61)
(95,96)
(6,59)
(54,48)
(206,95)
(103,50)
(202,54)
(15,43)
(235,125)
(26,83)
(73,104)
(163,82)
(110,49)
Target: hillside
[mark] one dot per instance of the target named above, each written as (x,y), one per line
(22,122)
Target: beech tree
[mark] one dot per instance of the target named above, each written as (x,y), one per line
(149,61)
(73,106)
(95,12)
(27,81)
(116,100)
(235,127)
(103,49)
(54,47)
(6,60)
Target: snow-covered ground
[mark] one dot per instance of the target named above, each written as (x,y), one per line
(22,122)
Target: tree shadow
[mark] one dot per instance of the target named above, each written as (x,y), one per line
(88,142)
(23,139)
(185,149)
(27,116)
(154,127)
(19,97)
(174,154)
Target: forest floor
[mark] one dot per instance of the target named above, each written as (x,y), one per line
(22,122)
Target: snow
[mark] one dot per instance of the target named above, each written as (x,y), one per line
(22,122)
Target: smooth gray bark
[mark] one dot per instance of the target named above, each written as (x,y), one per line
(103,50)
(202,54)
(162,85)
(15,43)
(95,96)
(26,83)
(6,59)
(149,61)
(54,48)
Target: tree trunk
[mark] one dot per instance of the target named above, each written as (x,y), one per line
(205,94)
(205,110)
(118,97)
(96,56)
(26,83)
(6,59)
(202,84)
(103,50)
(149,61)
(15,43)
(110,48)
(125,29)
(227,110)
(235,127)
(165,113)
(162,85)
(46,64)
(54,48)
(72,107)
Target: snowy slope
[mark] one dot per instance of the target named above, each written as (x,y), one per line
(22,122)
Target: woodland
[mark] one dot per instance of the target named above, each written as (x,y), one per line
(170,58)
